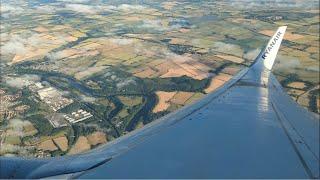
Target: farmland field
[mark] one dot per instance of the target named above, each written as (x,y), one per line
(78,74)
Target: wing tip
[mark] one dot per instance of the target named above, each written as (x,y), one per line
(282,29)
(272,48)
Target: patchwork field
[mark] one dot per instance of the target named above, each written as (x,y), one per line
(79,74)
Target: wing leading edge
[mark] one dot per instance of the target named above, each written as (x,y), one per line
(249,128)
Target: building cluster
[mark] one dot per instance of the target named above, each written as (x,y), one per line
(54,98)
(77,116)
(7,97)
(57,120)
(51,96)
(42,154)
(7,101)
(274,18)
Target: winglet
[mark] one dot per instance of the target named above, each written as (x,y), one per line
(268,55)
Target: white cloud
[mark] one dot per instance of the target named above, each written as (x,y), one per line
(84,8)
(22,81)
(247,4)
(287,62)
(128,7)
(17,127)
(113,77)
(87,99)
(74,1)
(313,68)
(81,8)
(125,83)
(110,7)
(16,45)
(227,48)
(158,25)
(19,45)
(56,55)
(154,24)
(12,150)
(46,9)
(89,9)
(121,41)
(7,11)
(6,8)
(13,47)
(251,55)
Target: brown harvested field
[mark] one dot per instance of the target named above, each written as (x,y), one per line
(90,46)
(176,73)
(200,66)
(62,143)
(85,54)
(194,98)
(214,84)
(77,33)
(177,41)
(288,36)
(297,85)
(97,138)
(192,69)
(217,82)
(231,58)
(297,53)
(231,70)
(164,98)
(291,36)
(47,41)
(181,97)
(47,145)
(81,145)
(122,53)
(146,73)
(60,27)
(318,104)
(30,55)
(304,100)
(295,92)
(184,30)
(164,67)
(155,62)
(41,29)
(67,53)
(313,49)
(137,70)
(223,77)
(183,67)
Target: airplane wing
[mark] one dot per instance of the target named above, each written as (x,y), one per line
(248,128)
